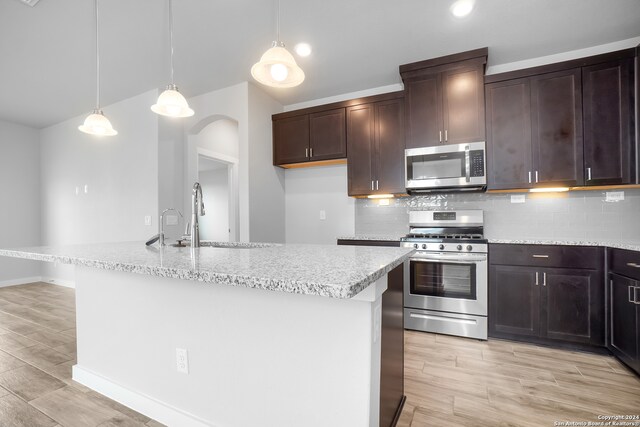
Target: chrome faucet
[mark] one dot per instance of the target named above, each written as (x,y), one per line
(195,227)
(161,230)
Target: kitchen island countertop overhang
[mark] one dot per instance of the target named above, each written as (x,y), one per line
(323,270)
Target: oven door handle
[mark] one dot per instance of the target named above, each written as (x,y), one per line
(452,260)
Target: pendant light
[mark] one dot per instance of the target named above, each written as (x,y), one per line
(96,123)
(277,67)
(171,103)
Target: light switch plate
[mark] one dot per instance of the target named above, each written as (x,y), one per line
(323,215)
(518,198)
(147,220)
(614,196)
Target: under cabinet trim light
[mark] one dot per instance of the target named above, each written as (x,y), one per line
(380,196)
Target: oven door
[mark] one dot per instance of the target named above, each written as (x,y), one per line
(454,283)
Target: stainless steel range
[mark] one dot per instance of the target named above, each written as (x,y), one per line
(447,290)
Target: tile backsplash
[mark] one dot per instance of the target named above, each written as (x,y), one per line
(576,215)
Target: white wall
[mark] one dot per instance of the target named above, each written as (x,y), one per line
(19,199)
(266,182)
(171,171)
(229,103)
(311,190)
(261,185)
(121,173)
(220,137)
(215,193)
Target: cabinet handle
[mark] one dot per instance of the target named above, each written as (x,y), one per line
(541,256)
(588,174)
(635,296)
(311,152)
(537,278)
(440,132)
(536,177)
(544,279)
(529,177)
(371,185)
(633,264)
(306,153)
(377,187)
(446,135)
(632,299)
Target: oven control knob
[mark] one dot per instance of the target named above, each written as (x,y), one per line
(424,246)
(415,245)
(459,247)
(469,247)
(441,247)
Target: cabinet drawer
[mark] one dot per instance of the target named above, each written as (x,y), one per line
(584,257)
(624,262)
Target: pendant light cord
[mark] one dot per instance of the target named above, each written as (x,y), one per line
(97,59)
(171,38)
(278,24)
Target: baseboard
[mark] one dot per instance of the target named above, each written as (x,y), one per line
(21,281)
(146,405)
(59,282)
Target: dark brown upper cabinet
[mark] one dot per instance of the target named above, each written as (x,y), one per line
(534,131)
(375,141)
(609,156)
(444,99)
(569,124)
(556,124)
(309,137)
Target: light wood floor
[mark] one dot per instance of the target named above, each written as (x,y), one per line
(451,381)
(37,351)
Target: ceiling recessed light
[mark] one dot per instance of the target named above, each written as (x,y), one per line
(303,49)
(462,8)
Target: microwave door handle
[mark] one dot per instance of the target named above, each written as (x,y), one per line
(467,163)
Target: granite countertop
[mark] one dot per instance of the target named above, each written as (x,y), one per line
(324,270)
(371,237)
(632,246)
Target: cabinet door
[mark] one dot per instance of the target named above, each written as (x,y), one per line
(514,302)
(556,123)
(291,140)
(508,134)
(360,146)
(389,137)
(328,137)
(463,105)
(573,305)
(623,319)
(423,108)
(608,123)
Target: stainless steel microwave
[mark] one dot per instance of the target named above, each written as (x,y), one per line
(455,167)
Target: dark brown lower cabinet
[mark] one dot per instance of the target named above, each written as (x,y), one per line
(392,396)
(623,289)
(547,304)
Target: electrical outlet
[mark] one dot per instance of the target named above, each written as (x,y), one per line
(147,220)
(518,198)
(323,215)
(614,196)
(182,360)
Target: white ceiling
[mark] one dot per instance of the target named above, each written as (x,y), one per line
(47,54)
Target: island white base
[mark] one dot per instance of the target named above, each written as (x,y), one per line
(256,357)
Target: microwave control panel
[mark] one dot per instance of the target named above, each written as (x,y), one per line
(477,162)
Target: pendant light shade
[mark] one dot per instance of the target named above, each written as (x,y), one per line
(277,67)
(171,103)
(96,123)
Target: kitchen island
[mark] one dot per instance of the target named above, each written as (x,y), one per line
(276,335)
